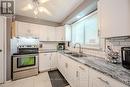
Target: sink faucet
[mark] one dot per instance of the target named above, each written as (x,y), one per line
(80,48)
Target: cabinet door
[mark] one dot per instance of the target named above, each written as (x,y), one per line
(59,63)
(83,74)
(97,79)
(58,60)
(63,65)
(60,33)
(43,34)
(44,61)
(114,18)
(114,83)
(71,72)
(51,33)
(35,30)
(54,61)
(23,29)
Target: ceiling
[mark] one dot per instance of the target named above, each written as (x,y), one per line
(59,9)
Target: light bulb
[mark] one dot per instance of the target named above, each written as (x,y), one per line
(46,11)
(40,9)
(44,1)
(30,6)
(35,11)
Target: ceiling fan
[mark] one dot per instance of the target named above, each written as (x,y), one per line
(36,7)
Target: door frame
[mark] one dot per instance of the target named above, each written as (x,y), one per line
(4,48)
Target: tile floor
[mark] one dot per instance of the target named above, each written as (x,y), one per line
(41,80)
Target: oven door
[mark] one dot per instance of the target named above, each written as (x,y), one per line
(24,62)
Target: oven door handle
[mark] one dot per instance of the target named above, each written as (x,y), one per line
(0,50)
(123,55)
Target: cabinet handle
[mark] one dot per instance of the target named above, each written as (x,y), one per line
(0,50)
(77,74)
(66,65)
(103,80)
(98,32)
(81,68)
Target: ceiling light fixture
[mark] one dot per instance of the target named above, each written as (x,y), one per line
(36,7)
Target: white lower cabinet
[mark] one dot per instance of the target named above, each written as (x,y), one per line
(47,61)
(83,76)
(97,79)
(54,60)
(71,67)
(65,68)
(58,61)
(62,64)
(44,61)
(79,75)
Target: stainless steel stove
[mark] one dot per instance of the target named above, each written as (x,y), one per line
(25,62)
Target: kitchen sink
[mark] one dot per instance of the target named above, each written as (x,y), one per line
(78,55)
(70,53)
(75,54)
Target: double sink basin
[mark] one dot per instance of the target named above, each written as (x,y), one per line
(77,55)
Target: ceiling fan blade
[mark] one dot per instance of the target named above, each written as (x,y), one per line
(43,9)
(43,1)
(28,7)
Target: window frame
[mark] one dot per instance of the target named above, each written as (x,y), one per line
(89,46)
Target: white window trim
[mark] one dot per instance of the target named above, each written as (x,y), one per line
(90,46)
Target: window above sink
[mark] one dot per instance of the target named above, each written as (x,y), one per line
(86,31)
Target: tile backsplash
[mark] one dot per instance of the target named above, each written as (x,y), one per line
(115,43)
(48,45)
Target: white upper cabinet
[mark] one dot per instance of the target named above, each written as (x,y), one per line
(23,29)
(34,30)
(114,18)
(43,32)
(51,32)
(60,33)
(67,33)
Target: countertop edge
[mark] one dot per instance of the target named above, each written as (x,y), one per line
(103,72)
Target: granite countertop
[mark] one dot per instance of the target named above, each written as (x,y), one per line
(116,71)
(47,50)
(50,50)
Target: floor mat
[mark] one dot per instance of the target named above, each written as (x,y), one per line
(57,80)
